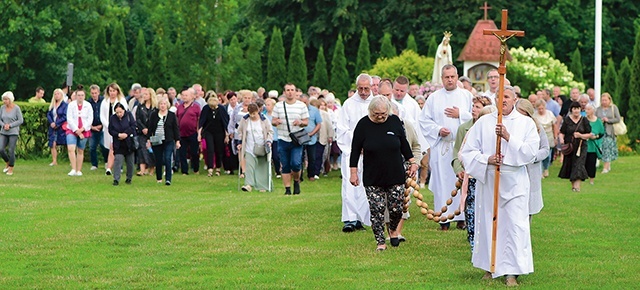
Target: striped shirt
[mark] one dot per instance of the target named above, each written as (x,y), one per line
(297,111)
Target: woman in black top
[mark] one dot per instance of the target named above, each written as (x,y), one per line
(122,127)
(381,139)
(214,120)
(149,104)
(575,130)
(164,137)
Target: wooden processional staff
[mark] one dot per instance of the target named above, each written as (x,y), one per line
(503,35)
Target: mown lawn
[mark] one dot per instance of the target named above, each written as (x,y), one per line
(60,232)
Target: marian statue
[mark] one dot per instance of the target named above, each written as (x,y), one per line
(442,57)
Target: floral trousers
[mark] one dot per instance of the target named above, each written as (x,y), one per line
(384,200)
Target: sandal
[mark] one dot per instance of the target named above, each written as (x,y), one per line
(210,173)
(217,172)
(381,248)
(241,175)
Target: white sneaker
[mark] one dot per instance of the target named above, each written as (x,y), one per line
(94,168)
(72,173)
(316,177)
(5,170)
(278,176)
(78,173)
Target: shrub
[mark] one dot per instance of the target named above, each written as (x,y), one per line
(410,64)
(32,142)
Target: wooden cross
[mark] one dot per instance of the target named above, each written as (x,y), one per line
(503,35)
(486,9)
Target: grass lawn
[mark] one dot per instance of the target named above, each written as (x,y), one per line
(81,232)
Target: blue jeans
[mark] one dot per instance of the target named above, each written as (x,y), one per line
(290,156)
(164,156)
(95,142)
(547,161)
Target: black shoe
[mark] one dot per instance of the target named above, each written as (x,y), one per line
(296,187)
(115,183)
(359,226)
(167,183)
(287,192)
(128,181)
(394,242)
(348,228)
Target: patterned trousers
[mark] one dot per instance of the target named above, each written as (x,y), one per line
(383,199)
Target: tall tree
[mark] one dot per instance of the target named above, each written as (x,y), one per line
(633,122)
(232,63)
(610,81)
(340,82)
(276,63)
(140,67)
(297,70)
(433,46)
(411,43)
(363,60)
(621,97)
(387,49)
(320,75)
(576,65)
(158,75)
(254,42)
(100,47)
(119,56)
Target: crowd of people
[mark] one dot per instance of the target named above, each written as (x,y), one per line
(384,132)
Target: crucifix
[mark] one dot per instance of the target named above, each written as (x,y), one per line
(486,9)
(503,35)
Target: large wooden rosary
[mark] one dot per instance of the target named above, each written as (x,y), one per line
(437,216)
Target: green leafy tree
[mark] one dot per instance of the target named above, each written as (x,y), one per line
(416,67)
(119,56)
(633,122)
(320,75)
(386,47)
(411,43)
(140,67)
(550,49)
(610,81)
(621,97)
(276,63)
(232,64)
(363,60)
(297,70)
(100,47)
(576,65)
(433,46)
(158,75)
(254,42)
(340,82)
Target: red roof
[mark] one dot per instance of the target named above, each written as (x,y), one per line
(481,47)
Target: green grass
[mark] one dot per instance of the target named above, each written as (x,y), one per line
(62,232)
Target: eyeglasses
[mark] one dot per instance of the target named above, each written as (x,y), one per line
(493,77)
(365,89)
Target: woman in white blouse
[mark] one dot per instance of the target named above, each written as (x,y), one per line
(79,120)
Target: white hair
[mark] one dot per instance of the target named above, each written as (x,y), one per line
(8,95)
(273,94)
(365,77)
(330,97)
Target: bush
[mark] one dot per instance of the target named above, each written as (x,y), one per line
(410,64)
(32,142)
(533,70)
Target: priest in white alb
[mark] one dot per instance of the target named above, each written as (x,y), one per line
(444,111)
(519,144)
(355,206)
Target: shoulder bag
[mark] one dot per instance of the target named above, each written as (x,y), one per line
(258,149)
(620,128)
(299,137)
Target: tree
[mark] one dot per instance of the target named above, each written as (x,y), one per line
(232,63)
(158,75)
(363,60)
(411,43)
(100,47)
(254,42)
(297,71)
(386,47)
(621,97)
(416,67)
(340,82)
(633,122)
(576,65)
(320,76)
(433,46)
(610,81)
(550,49)
(119,56)
(276,63)
(140,68)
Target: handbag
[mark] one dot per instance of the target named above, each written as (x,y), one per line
(620,128)
(567,148)
(155,140)
(299,137)
(132,141)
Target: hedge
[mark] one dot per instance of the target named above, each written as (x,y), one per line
(32,142)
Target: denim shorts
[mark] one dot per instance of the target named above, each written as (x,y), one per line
(290,156)
(73,139)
